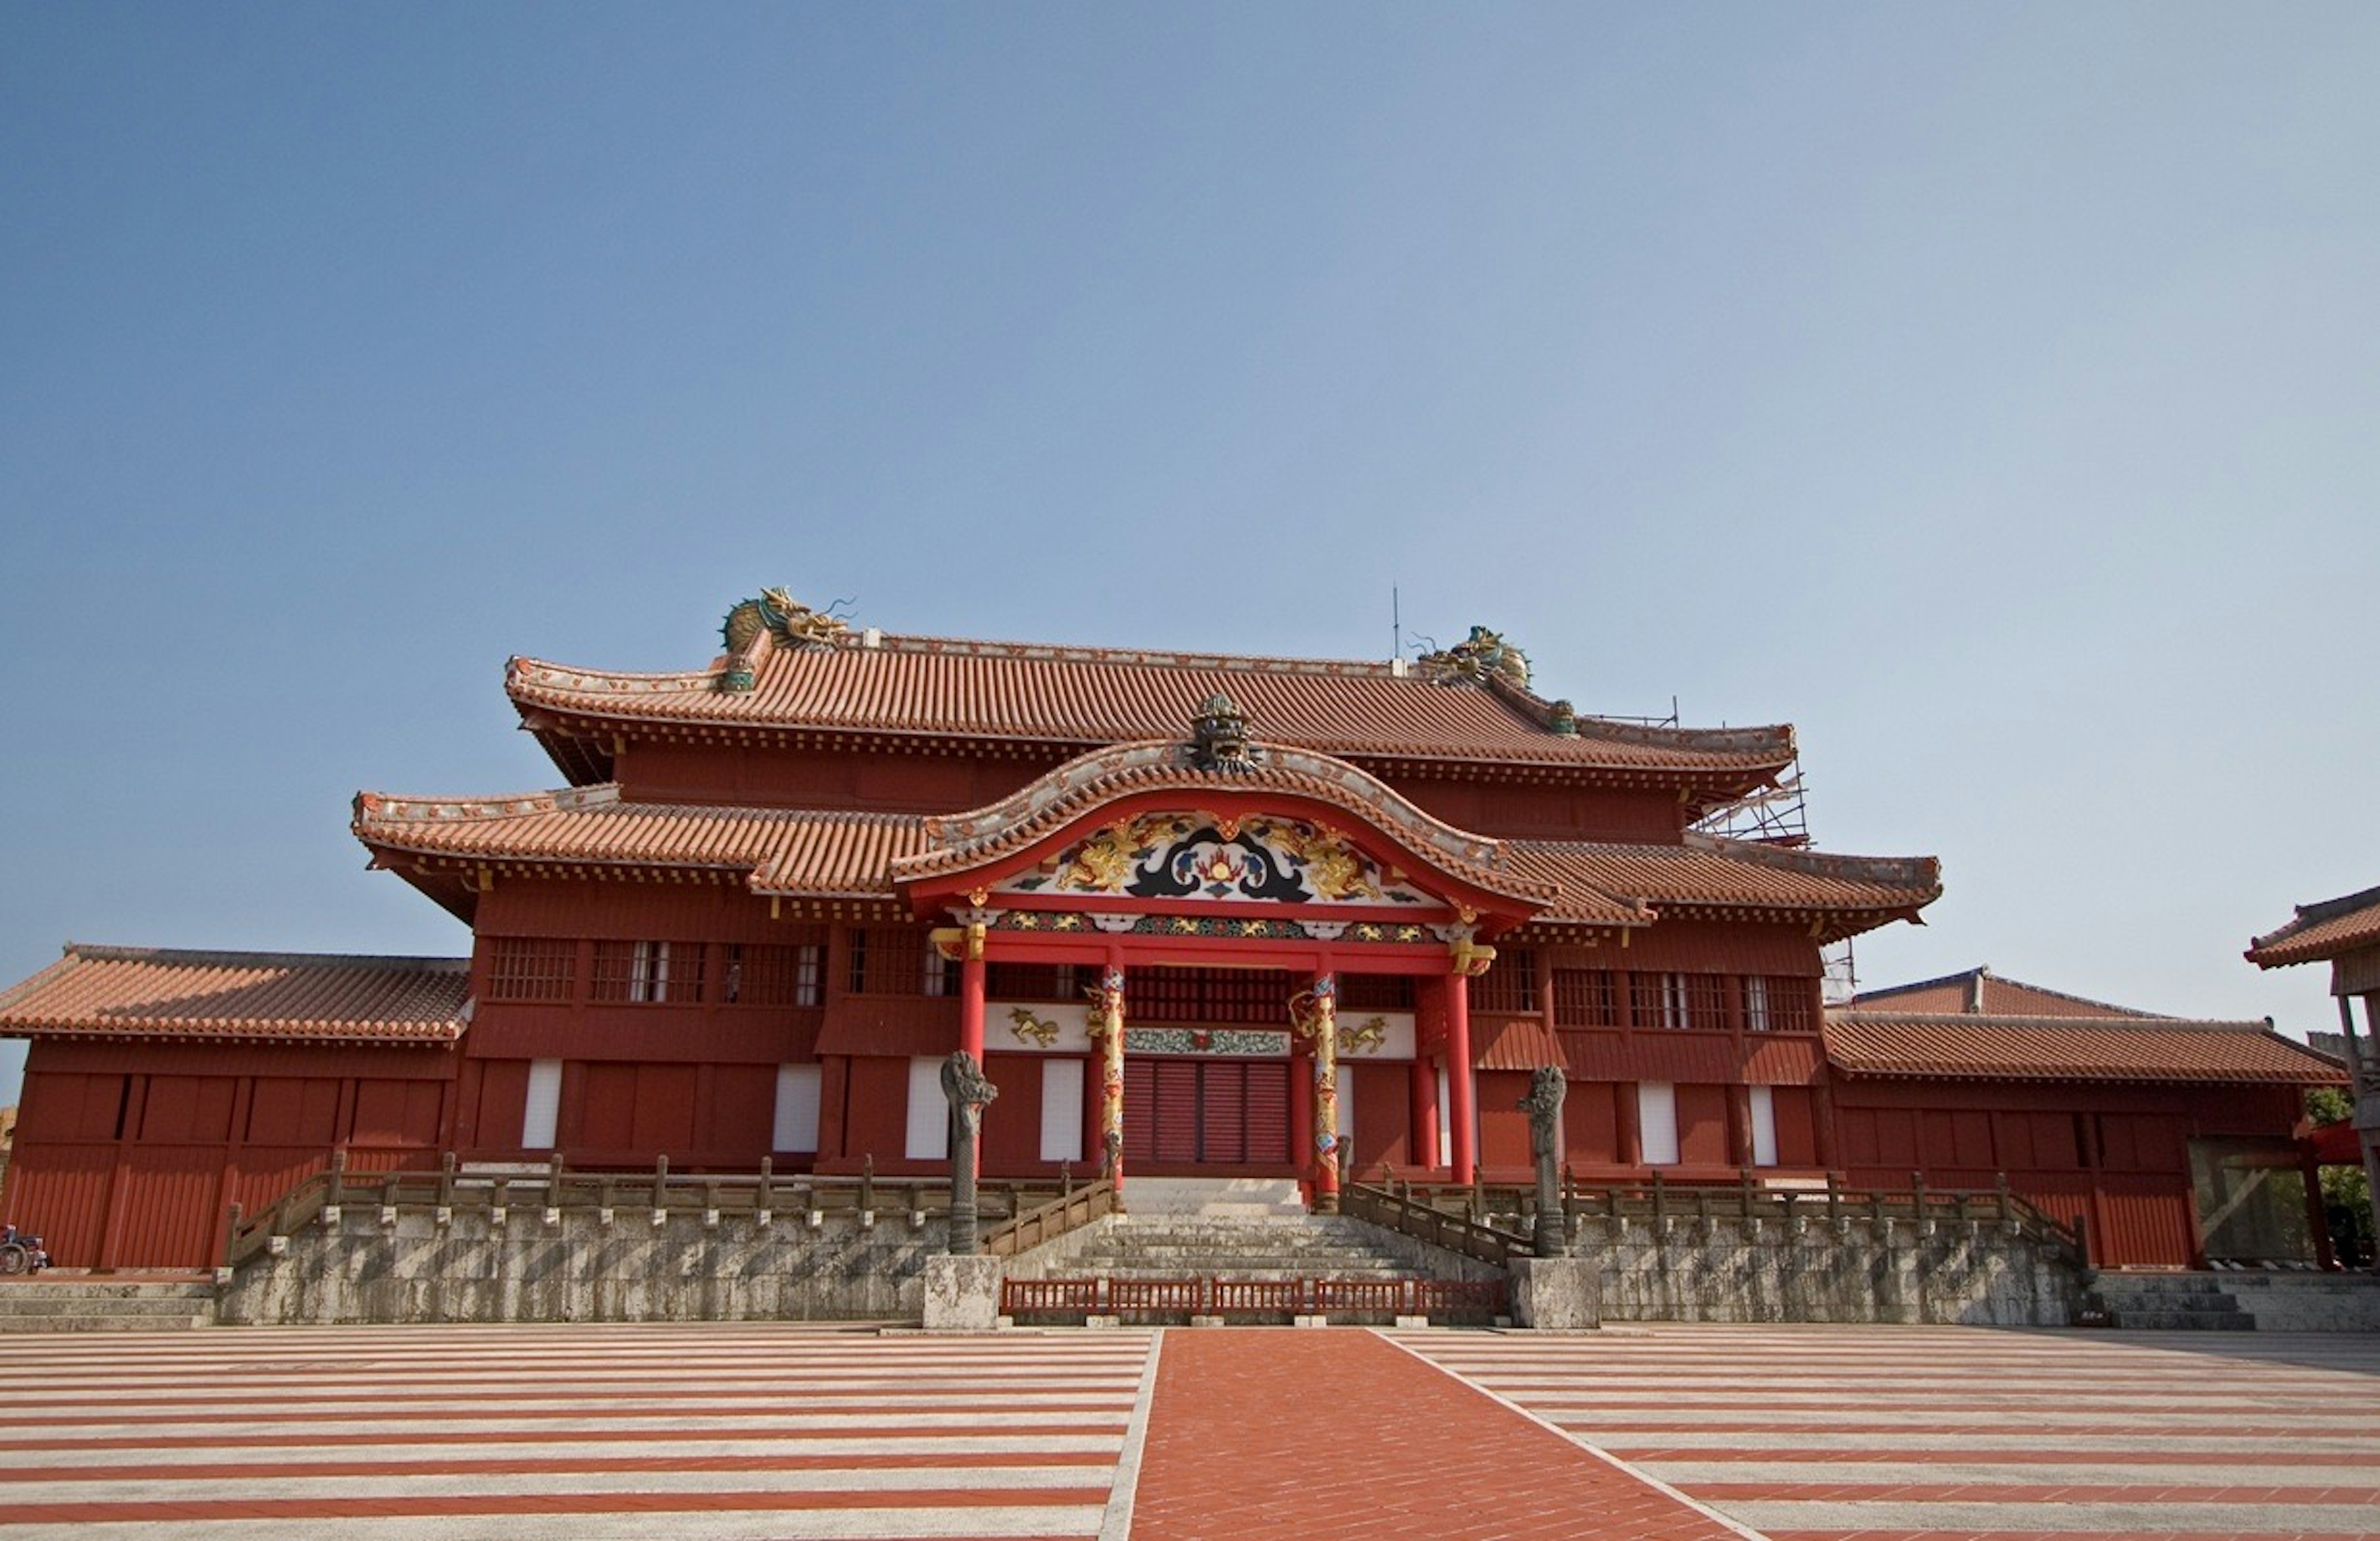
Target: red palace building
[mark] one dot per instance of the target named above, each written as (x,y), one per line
(1194,914)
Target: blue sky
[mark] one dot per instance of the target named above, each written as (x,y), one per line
(1988,391)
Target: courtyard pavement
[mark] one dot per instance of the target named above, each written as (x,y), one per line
(751,1433)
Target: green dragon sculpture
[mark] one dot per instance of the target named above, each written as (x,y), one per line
(775,614)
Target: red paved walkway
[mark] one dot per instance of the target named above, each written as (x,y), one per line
(1260,1432)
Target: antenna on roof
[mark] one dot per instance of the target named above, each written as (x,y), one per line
(1396,625)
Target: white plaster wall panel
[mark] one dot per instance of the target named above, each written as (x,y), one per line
(1657,1121)
(544,1105)
(1763,1127)
(930,1115)
(1062,1110)
(797,1109)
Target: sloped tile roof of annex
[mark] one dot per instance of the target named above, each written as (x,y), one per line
(140,992)
(1999,997)
(2169,1050)
(844,854)
(932,687)
(2322,930)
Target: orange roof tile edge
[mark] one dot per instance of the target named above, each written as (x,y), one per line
(119,992)
(1962,1046)
(796,852)
(537,682)
(2320,930)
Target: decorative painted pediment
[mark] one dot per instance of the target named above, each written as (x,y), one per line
(1255,859)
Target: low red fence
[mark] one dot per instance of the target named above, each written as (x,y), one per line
(1177,1299)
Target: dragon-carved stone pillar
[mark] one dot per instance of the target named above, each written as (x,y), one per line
(1314,1014)
(1106,1027)
(1548,1085)
(969,1091)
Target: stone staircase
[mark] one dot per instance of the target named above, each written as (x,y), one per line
(85,1303)
(2192,1303)
(1250,1232)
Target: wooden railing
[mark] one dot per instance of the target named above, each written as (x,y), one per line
(1070,1211)
(452,1190)
(1418,1218)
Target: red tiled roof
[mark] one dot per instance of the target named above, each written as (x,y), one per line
(1979,991)
(2322,930)
(1708,872)
(816,852)
(862,854)
(932,687)
(1961,1047)
(138,992)
(1514,1043)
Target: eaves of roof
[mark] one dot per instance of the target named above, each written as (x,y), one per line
(2320,931)
(2164,1050)
(127,992)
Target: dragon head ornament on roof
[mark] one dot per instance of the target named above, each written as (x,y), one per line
(775,614)
(1477,659)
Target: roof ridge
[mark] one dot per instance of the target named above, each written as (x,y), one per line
(396,807)
(2331,909)
(1961,977)
(1820,864)
(1523,703)
(1985,971)
(2144,1020)
(92,951)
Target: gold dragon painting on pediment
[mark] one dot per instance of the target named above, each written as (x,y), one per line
(1259,857)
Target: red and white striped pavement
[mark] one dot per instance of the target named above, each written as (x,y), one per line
(709,1433)
(1809,1432)
(756,1432)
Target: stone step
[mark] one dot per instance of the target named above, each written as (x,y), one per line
(181,1323)
(52,1286)
(1247,1197)
(1195,1261)
(73,1304)
(2184,1321)
(2173,1300)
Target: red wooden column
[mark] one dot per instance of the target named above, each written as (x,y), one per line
(1424,1087)
(1301,1113)
(971,972)
(1461,1159)
(971,1016)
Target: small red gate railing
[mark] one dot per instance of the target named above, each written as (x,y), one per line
(1150,1300)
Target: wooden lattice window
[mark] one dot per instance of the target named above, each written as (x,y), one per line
(1585,997)
(1509,984)
(1024,981)
(530,969)
(1256,997)
(648,973)
(1376,992)
(1793,1004)
(775,973)
(1679,999)
(890,959)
